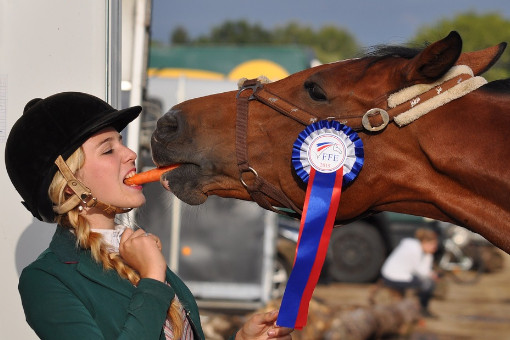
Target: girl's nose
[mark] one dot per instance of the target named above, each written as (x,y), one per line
(130,155)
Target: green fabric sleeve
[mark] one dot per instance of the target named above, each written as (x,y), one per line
(54,311)
(147,310)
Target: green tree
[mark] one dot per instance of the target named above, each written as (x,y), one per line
(478,31)
(293,33)
(237,32)
(179,36)
(330,43)
(335,44)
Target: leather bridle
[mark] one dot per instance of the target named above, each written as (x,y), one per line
(260,189)
(253,89)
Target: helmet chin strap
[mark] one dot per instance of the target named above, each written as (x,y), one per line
(82,194)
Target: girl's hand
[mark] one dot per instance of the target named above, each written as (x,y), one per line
(142,252)
(262,326)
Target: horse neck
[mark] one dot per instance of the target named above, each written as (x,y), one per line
(452,146)
(486,107)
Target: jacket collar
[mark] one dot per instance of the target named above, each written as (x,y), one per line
(64,246)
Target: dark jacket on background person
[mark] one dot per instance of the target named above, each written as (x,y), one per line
(67,295)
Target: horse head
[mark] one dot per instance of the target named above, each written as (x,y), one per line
(200,134)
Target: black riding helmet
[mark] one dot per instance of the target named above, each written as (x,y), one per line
(56,125)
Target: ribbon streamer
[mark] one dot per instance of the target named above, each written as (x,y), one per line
(327,155)
(321,203)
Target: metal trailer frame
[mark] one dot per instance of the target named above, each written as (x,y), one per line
(178,224)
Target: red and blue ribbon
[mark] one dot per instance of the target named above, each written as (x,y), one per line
(321,204)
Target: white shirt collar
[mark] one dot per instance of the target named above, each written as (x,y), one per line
(111,237)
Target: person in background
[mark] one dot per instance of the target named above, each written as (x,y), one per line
(98,279)
(409,266)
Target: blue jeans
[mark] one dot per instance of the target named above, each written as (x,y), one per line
(424,288)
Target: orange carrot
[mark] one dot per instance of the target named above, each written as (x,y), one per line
(152,175)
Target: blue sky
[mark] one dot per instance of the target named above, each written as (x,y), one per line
(372,22)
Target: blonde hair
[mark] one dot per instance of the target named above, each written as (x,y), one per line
(87,239)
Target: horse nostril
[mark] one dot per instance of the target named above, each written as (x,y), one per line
(167,125)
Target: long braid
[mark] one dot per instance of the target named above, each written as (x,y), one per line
(86,239)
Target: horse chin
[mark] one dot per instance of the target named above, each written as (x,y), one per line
(184,183)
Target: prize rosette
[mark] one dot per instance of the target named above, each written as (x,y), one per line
(326,146)
(327,155)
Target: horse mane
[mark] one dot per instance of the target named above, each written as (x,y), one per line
(380,52)
(497,86)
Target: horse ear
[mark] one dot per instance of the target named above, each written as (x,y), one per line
(481,61)
(435,60)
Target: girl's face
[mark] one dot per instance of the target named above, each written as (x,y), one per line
(430,246)
(107,163)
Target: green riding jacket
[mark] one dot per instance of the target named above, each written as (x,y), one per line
(67,295)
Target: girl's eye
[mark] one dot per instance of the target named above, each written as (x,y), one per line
(315,92)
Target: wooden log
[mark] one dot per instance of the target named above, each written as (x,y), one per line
(326,322)
(377,320)
(492,258)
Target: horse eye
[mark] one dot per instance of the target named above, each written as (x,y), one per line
(315,92)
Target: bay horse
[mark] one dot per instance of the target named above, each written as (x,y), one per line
(444,158)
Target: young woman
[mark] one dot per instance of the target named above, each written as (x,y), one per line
(97,279)
(410,266)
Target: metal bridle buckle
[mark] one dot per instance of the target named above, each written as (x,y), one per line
(374,112)
(250,169)
(253,87)
(88,199)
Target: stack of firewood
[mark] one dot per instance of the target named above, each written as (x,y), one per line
(394,316)
(366,322)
